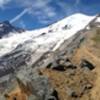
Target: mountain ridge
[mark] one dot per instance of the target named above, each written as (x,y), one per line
(56,32)
(6,28)
(45,55)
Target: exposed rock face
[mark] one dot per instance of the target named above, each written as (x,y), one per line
(31,87)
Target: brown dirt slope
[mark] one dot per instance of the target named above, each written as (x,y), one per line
(80,83)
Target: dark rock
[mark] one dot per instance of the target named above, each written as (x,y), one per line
(43,33)
(55,95)
(52,98)
(68,60)
(87,64)
(66,27)
(88,86)
(50,31)
(61,64)
(59,68)
(49,65)
(71,66)
(72,93)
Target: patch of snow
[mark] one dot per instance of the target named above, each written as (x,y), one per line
(1,25)
(98,19)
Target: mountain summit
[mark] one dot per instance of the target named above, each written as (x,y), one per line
(50,37)
(6,28)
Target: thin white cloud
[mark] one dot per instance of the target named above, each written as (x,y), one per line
(22,24)
(49,12)
(3,3)
(35,8)
(77,2)
(39,8)
(66,8)
(69,8)
(19,15)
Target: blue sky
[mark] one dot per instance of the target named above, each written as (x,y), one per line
(32,14)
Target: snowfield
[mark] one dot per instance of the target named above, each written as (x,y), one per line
(47,39)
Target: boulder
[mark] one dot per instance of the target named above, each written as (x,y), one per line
(87,64)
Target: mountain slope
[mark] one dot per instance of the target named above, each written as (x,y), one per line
(49,53)
(36,43)
(74,69)
(46,37)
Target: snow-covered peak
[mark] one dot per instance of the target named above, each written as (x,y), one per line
(5,23)
(49,38)
(6,28)
(73,21)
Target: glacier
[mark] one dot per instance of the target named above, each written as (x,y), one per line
(48,38)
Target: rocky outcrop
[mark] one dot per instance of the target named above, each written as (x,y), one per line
(87,64)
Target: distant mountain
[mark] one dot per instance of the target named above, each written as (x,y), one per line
(6,28)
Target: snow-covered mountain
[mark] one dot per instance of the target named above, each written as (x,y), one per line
(6,28)
(66,51)
(48,38)
(27,48)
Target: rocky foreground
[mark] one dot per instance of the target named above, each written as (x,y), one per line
(69,73)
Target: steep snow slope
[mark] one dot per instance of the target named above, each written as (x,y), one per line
(49,38)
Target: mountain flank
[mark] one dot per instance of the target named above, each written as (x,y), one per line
(69,70)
